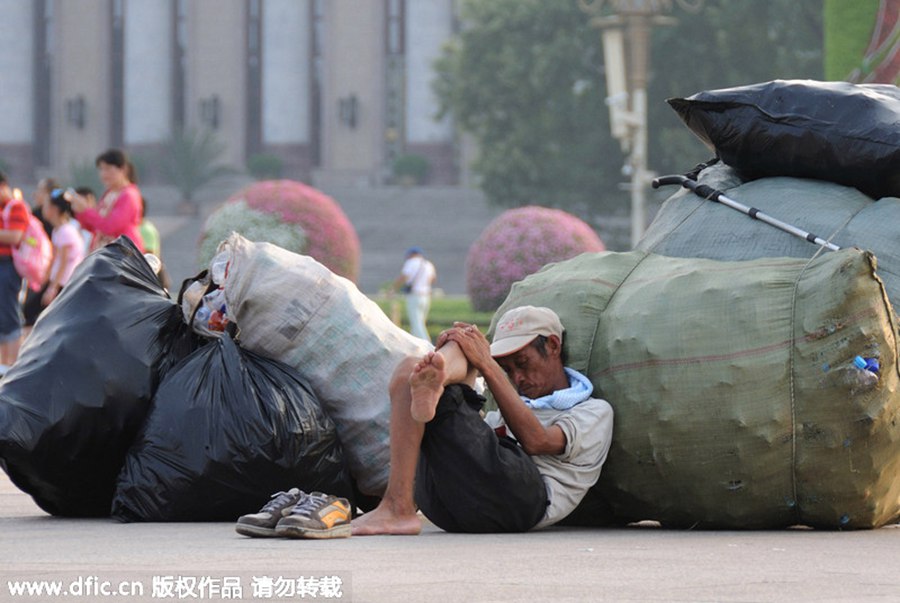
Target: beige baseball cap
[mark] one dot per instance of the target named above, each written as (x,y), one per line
(518,327)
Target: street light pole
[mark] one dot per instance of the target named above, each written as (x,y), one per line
(631,22)
(639,52)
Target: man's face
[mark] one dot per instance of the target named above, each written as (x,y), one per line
(532,374)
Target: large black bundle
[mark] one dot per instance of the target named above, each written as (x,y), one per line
(228,427)
(77,396)
(836,131)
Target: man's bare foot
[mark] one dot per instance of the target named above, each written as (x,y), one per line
(383,520)
(426,384)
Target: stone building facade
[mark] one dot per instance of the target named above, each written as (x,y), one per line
(337,89)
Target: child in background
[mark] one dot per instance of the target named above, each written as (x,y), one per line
(68,245)
(45,186)
(149,233)
(152,244)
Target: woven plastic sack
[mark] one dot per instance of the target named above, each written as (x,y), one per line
(291,308)
(737,403)
(227,428)
(690,226)
(837,131)
(74,401)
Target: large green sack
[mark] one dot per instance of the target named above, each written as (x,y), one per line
(690,226)
(737,405)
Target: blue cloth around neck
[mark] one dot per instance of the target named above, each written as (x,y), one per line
(580,389)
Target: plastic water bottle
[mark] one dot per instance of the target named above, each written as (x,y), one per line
(202,315)
(869,364)
(865,373)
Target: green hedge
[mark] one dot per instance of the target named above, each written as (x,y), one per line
(444,311)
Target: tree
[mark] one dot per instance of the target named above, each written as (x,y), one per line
(726,44)
(525,77)
(191,161)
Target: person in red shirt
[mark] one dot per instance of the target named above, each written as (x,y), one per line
(14,223)
(120,208)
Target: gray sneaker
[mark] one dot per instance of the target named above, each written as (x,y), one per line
(263,522)
(317,516)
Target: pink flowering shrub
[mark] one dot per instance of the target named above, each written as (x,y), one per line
(520,242)
(329,236)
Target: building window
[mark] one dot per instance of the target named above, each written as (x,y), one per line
(395,37)
(117,79)
(43,68)
(179,62)
(317,41)
(395,84)
(254,77)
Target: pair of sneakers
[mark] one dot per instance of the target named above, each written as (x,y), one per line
(296,514)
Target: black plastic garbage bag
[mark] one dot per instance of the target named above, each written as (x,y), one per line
(227,429)
(835,131)
(76,398)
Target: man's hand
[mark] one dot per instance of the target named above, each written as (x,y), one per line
(532,435)
(471,341)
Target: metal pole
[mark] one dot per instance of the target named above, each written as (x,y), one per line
(707,192)
(638,46)
(630,125)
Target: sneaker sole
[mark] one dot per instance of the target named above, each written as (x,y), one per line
(255,531)
(341,531)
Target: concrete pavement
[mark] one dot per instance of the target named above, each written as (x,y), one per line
(640,563)
(643,563)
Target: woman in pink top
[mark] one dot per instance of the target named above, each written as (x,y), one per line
(119,210)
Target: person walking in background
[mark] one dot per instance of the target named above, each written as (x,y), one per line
(15,221)
(119,210)
(415,281)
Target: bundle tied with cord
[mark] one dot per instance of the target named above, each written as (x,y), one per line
(688,225)
(737,403)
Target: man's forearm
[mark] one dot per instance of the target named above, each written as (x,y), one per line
(531,434)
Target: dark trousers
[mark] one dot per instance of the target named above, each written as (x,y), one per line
(470,480)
